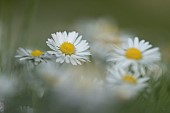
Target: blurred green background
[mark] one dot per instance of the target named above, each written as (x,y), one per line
(37,19)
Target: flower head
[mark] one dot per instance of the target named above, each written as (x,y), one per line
(137,54)
(69,48)
(35,56)
(123,81)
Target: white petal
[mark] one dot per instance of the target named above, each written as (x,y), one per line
(73,62)
(130,42)
(67,59)
(136,42)
(78,40)
(150,51)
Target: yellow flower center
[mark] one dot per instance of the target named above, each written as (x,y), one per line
(67,48)
(134,53)
(130,79)
(37,53)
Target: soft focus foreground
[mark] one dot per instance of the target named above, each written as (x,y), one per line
(60,56)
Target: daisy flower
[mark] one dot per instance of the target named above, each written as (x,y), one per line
(35,56)
(137,54)
(69,48)
(125,82)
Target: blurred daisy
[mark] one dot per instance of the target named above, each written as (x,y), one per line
(85,85)
(26,109)
(53,74)
(101,33)
(137,54)
(69,48)
(157,70)
(82,90)
(2,106)
(35,56)
(126,82)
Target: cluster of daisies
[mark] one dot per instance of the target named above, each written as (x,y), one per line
(69,48)
(131,65)
(128,64)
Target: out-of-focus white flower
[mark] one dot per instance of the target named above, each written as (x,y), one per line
(35,56)
(100,29)
(74,83)
(157,70)
(85,85)
(2,107)
(8,85)
(26,109)
(101,33)
(124,83)
(82,90)
(52,74)
(69,48)
(82,87)
(137,54)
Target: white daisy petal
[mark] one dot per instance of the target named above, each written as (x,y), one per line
(73,61)
(77,40)
(130,42)
(136,42)
(151,51)
(143,79)
(67,59)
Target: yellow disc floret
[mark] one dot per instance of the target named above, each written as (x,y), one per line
(134,53)
(67,48)
(130,79)
(37,53)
